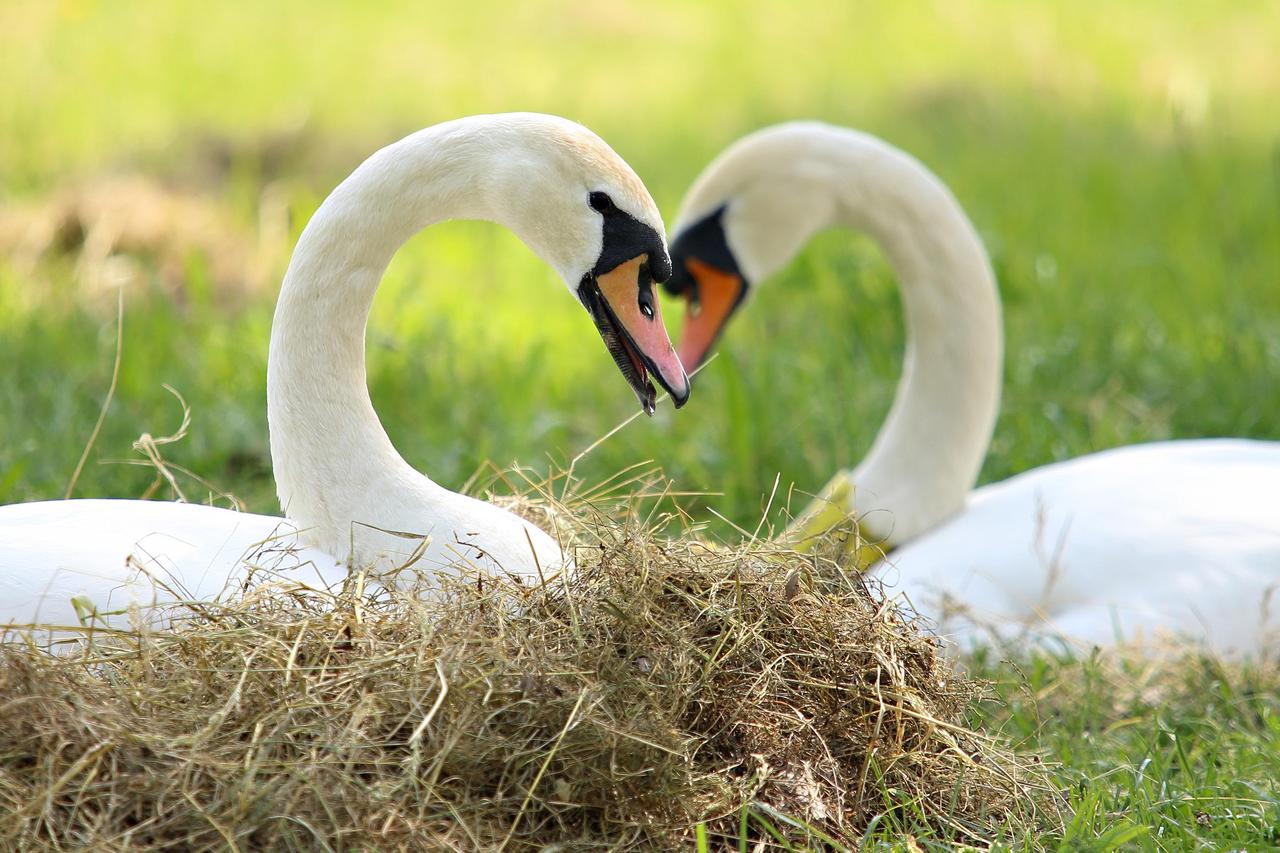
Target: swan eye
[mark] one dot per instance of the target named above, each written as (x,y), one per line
(601,202)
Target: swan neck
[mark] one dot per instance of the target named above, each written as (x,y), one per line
(332,458)
(927,456)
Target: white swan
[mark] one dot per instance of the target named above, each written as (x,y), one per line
(1178,536)
(341,483)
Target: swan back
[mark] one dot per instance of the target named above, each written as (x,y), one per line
(1179,537)
(121,555)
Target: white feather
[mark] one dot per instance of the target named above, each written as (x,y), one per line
(348,494)
(1178,537)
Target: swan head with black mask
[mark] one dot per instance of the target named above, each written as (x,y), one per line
(757,204)
(568,197)
(577,204)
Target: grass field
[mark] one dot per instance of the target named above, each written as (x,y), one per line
(1122,162)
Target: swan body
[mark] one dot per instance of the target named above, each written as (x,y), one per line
(1112,546)
(1177,537)
(113,555)
(349,497)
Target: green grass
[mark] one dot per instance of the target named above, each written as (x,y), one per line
(1122,163)
(1152,757)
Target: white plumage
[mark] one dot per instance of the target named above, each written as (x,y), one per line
(347,493)
(1177,537)
(114,554)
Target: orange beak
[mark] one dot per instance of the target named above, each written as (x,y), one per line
(624,304)
(711,302)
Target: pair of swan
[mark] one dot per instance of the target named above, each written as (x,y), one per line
(1183,536)
(1180,536)
(349,497)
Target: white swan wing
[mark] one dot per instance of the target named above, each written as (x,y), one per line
(1180,537)
(110,554)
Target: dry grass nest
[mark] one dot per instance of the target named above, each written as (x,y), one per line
(667,688)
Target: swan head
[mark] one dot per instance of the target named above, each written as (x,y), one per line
(746,216)
(582,209)
(620,293)
(706,274)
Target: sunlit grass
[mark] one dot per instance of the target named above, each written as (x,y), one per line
(1122,163)
(1177,754)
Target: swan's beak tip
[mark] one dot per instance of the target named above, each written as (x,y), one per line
(680,393)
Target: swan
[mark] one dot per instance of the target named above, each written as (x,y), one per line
(1178,537)
(349,499)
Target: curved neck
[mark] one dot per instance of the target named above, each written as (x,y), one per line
(927,455)
(330,454)
(787,182)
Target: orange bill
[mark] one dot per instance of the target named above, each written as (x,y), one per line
(624,304)
(710,304)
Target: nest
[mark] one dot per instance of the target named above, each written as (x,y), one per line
(666,689)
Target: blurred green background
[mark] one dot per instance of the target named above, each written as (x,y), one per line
(1122,162)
